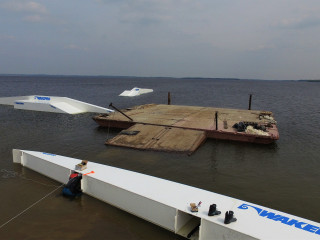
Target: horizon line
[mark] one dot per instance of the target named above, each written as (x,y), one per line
(127,76)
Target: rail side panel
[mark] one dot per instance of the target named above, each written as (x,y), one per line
(49,169)
(211,230)
(138,205)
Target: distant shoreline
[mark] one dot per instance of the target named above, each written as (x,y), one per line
(110,76)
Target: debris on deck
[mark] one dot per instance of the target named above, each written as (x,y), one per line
(185,128)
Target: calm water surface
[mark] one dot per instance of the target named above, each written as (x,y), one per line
(284,176)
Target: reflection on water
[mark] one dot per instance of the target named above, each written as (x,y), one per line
(283,175)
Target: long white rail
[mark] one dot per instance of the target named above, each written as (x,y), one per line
(167,203)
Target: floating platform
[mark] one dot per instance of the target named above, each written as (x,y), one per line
(168,204)
(52,104)
(184,128)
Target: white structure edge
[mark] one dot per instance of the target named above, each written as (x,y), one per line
(166,203)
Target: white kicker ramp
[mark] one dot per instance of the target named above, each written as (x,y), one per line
(135,92)
(167,203)
(52,104)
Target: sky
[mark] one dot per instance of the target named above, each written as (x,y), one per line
(248,39)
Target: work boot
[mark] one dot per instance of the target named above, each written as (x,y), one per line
(213,210)
(229,217)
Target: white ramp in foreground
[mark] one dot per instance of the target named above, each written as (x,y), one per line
(135,92)
(52,104)
(167,203)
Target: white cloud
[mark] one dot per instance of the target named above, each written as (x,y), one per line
(33,18)
(25,6)
(6,37)
(29,11)
(261,47)
(149,11)
(75,47)
(300,22)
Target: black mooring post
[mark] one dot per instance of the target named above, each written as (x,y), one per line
(216,117)
(250,99)
(110,105)
(169,98)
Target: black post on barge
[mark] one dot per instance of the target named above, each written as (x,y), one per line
(250,99)
(216,118)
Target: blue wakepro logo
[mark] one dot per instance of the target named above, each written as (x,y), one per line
(42,98)
(283,219)
(50,154)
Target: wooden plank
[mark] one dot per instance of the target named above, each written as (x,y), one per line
(160,138)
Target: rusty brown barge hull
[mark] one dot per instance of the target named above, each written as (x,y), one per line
(216,123)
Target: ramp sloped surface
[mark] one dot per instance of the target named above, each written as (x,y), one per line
(67,108)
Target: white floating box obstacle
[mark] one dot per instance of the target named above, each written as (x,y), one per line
(170,204)
(52,104)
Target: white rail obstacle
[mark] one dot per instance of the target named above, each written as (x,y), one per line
(167,203)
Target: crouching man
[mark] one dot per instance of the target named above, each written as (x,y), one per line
(73,187)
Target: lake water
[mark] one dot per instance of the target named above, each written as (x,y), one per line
(283,176)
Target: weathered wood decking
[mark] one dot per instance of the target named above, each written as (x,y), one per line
(152,137)
(183,128)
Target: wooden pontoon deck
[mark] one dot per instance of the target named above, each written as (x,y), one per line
(183,128)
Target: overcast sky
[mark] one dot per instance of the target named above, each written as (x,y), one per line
(255,39)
